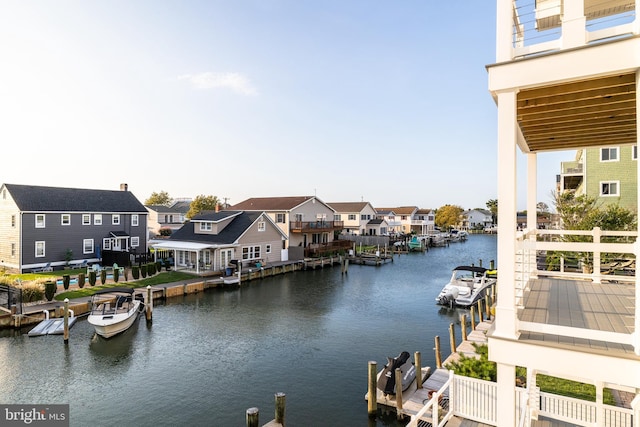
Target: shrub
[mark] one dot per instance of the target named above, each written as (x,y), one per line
(126,274)
(135,272)
(143,271)
(50,289)
(32,291)
(103,276)
(116,275)
(92,278)
(81,279)
(158,265)
(66,279)
(165,231)
(151,269)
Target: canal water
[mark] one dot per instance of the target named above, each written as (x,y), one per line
(207,358)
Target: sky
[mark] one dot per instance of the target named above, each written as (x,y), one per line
(347,100)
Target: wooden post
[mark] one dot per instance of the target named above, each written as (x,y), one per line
(480,319)
(473,318)
(149,305)
(438,354)
(252,417)
(280,404)
(492,265)
(399,393)
(487,307)
(480,262)
(463,322)
(66,321)
(452,338)
(418,363)
(372,399)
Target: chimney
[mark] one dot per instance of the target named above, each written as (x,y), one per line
(217,207)
(124,187)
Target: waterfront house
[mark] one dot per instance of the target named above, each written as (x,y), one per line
(604,174)
(170,217)
(476,219)
(566,77)
(52,227)
(401,219)
(307,221)
(354,215)
(211,240)
(394,226)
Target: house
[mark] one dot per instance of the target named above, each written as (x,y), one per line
(54,227)
(574,90)
(607,174)
(400,219)
(211,240)
(307,222)
(354,215)
(423,221)
(376,227)
(476,219)
(170,217)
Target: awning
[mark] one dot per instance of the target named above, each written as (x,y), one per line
(119,234)
(183,246)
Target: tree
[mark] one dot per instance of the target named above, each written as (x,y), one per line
(159,199)
(448,216)
(202,203)
(492,205)
(542,207)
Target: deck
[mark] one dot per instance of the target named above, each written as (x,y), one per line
(581,304)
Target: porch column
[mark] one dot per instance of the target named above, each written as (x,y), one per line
(504,33)
(506,394)
(505,323)
(574,30)
(636,329)
(532,212)
(600,404)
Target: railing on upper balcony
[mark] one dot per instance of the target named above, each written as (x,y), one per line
(315,226)
(548,25)
(571,167)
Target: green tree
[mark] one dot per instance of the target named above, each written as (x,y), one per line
(159,199)
(492,205)
(202,203)
(448,216)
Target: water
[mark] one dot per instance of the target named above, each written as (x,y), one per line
(209,357)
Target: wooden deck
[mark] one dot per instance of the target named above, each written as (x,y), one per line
(580,304)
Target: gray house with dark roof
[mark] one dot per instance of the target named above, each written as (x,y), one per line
(171,217)
(50,227)
(210,240)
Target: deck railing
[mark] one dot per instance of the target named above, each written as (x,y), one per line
(538,26)
(476,400)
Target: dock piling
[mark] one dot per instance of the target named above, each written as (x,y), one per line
(463,323)
(66,321)
(480,315)
(418,363)
(452,338)
(473,318)
(149,305)
(253,417)
(438,354)
(280,405)
(372,401)
(398,373)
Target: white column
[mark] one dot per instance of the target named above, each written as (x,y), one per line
(599,404)
(505,323)
(504,32)
(636,333)
(532,210)
(506,394)
(574,31)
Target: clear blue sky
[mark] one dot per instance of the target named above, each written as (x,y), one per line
(382,101)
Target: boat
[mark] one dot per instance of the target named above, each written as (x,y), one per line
(467,285)
(387,377)
(114,310)
(415,244)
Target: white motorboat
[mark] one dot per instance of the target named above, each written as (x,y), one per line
(114,310)
(467,285)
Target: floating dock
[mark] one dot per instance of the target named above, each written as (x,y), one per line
(51,327)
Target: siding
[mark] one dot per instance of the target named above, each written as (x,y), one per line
(625,171)
(9,234)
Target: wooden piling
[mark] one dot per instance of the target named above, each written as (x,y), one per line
(438,354)
(280,404)
(253,417)
(372,399)
(487,306)
(473,318)
(66,321)
(149,305)
(452,338)
(399,393)
(480,319)
(463,322)
(417,358)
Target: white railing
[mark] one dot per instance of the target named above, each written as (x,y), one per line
(476,400)
(537,25)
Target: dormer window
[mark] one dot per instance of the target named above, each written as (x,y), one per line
(205,226)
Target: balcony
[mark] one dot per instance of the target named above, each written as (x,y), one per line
(315,226)
(577,288)
(542,26)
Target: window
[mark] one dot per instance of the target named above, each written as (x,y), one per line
(115,219)
(13,249)
(337,217)
(135,241)
(97,219)
(86,219)
(106,244)
(13,221)
(40,249)
(611,188)
(634,152)
(87,246)
(134,220)
(262,226)
(267,249)
(65,219)
(280,218)
(298,217)
(40,221)
(352,217)
(251,252)
(205,226)
(609,154)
